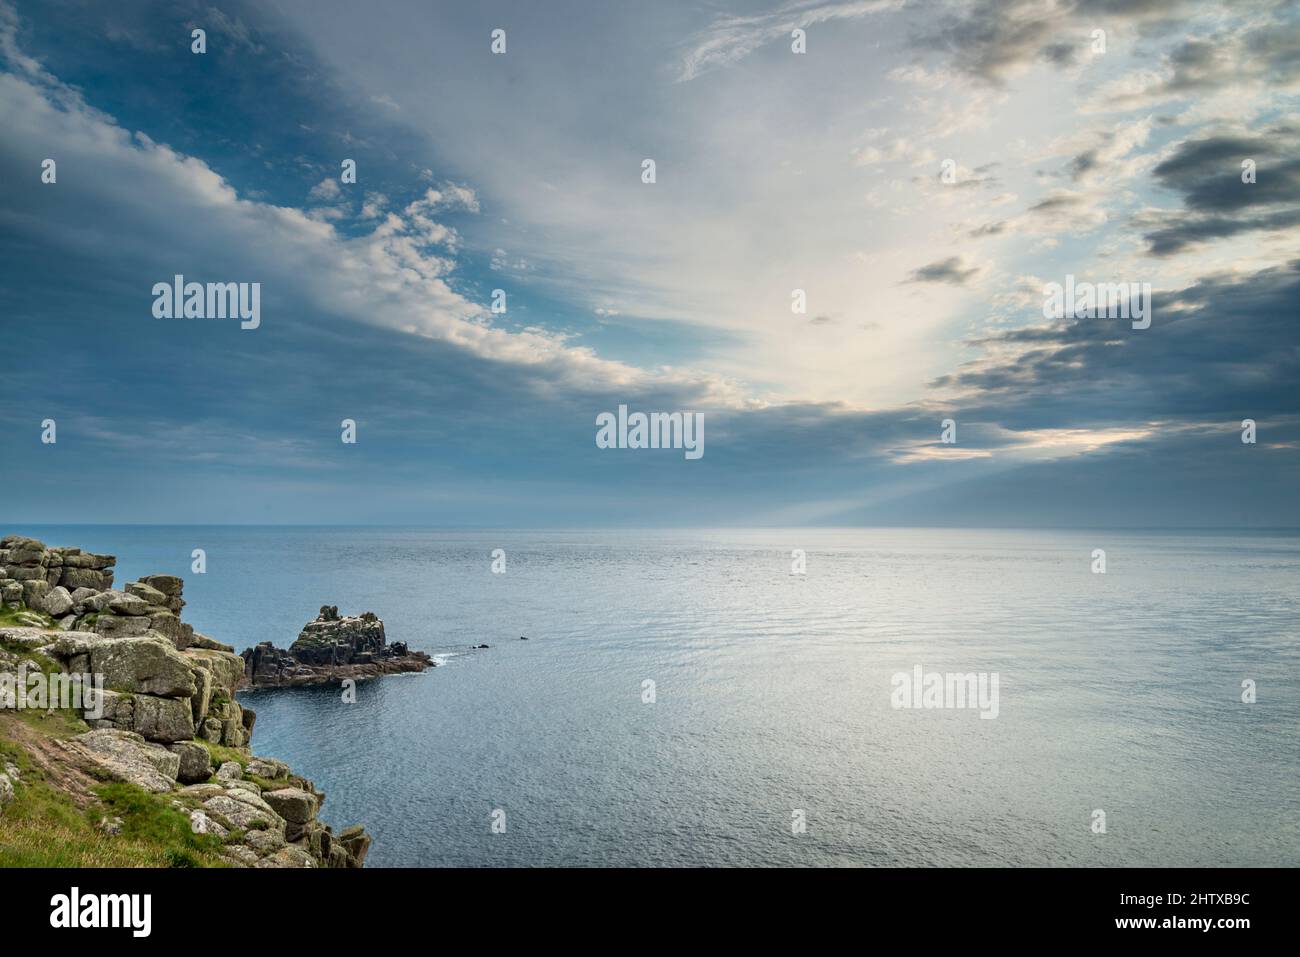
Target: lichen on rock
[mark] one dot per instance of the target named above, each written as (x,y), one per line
(168,712)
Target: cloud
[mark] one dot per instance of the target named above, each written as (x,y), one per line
(993,41)
(326,191)
(730,38)
(952,271)
(1237,62)
(379,314)
(1207,171)
(1224,348)
(231,28)
(399,274)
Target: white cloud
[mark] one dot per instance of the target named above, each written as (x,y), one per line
(326,191)
(731,38)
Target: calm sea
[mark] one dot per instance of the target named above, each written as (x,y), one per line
(1119,692)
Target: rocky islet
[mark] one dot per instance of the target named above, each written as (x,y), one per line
(169,698)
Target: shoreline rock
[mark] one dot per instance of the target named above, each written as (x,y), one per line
(169,701)
(329,649)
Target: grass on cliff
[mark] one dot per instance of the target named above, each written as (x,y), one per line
(221,754)
(9,618)
(45,826)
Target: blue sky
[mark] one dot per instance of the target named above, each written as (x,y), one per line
(776,171)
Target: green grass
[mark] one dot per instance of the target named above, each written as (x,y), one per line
(60,723)
(25,652)
(9,618)
(150,819)
(44,827)
(266,784)
(221,754)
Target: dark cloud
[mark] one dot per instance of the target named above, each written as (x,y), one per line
(952,270)
(1207,172)
(1222,349)
(991,39)
(1083,164)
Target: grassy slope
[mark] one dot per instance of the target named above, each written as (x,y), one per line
(50,824)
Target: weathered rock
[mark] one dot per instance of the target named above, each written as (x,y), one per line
(242,814)
(169,585)
(268,768)
(73,578)
(114,626)
(338,857)
(241,856)
(164,719)
(145,665)
(227,669)
(73,644)
(203,791)
(79,598)
(57,602)
(196,762)
(288,856)
(34,592)
(265,842)
(233,734)
(25,551)
(356,842)
(242,785)
(146,592)
(28,637)
(116,711)
(203,641)
(23,573)
(120,603)
(293,805)
(126,756)
(167,625)
(318,838)
(332,640)
(202,694)
(165,683)
(75,558)
(200,823)
(329,649)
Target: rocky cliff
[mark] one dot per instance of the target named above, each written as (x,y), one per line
(329,649)
(167,721)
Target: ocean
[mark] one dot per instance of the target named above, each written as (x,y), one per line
(683,699)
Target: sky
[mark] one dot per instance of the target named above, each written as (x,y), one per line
(920,172)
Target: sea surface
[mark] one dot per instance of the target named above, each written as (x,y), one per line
(1118,692)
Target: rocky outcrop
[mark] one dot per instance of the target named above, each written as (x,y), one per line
(329,649)
(168,701)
